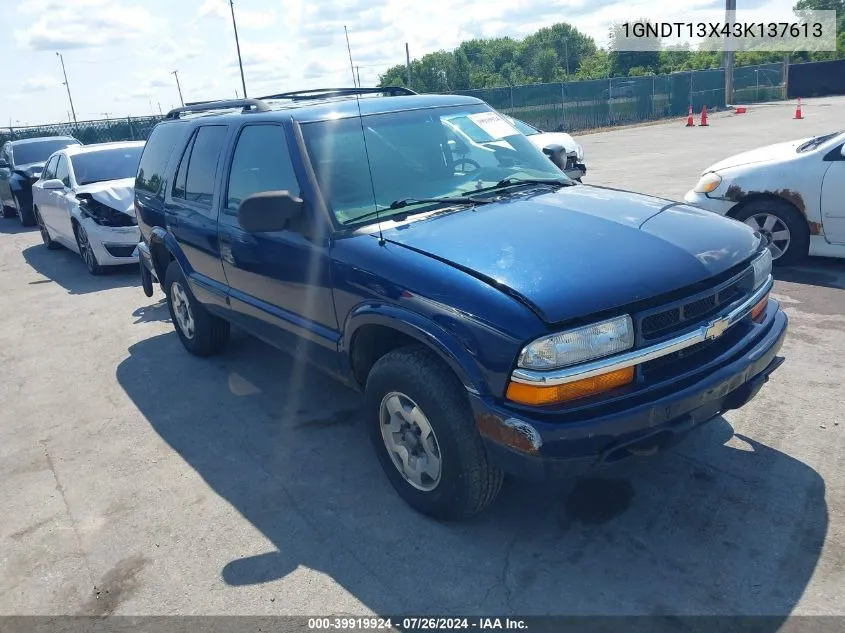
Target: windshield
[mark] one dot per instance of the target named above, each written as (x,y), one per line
(813,143)
(523,127)
(421,154)
(38,151)
(106,164)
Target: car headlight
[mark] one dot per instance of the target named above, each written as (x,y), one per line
(708,182)
(762,268)
(579,152)
(579,345)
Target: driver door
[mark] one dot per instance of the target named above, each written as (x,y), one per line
(833,201)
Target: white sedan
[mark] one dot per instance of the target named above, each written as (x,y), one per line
(574,166)
(792,193)
(84,201)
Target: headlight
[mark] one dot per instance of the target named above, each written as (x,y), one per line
(579,152)
(762,268)
(708,182)
(579,345)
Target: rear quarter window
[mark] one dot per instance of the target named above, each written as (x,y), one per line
(156,154)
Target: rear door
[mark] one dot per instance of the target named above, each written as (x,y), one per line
(5,174)
(279,281)
(191,207)
(40,196)
(833,201)
(58,202)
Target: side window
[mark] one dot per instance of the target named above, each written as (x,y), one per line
(261,162)
(156,154)
(202,164)
(62,172)
(50,169)
(182,172)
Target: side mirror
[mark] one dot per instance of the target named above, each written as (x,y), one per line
(4,164)
(557,154)
(269,211)
(841,151)
(53,184)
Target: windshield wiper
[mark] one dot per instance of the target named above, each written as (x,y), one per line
(405,202)
(510,182)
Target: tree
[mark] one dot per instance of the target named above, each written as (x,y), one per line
(545,65)
(461,75)
(645,53)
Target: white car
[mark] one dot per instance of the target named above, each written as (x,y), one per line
(792,193)
(574,166)
(84,201)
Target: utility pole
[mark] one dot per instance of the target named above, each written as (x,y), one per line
(175,73)
(67,85)
(238,46)
(358,72)
(408,63)
(730,14)
(159,108)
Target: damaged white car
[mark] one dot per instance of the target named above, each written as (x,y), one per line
(574,167)
(84,201)
(792,193)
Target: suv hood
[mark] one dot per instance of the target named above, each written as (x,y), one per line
(769,154)
(583,249)
(117,194)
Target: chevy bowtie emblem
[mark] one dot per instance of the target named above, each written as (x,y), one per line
(716,328)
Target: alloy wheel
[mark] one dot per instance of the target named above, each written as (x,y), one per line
(410,441)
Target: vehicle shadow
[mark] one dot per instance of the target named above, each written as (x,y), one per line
(721,525)
(12,226)
(155,312)
(68,270)
(827,272)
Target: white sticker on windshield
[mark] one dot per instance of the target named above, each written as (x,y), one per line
(493,124)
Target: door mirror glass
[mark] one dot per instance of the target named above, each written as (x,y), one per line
(53,183)
(4,164)
(269,211)
(557,154)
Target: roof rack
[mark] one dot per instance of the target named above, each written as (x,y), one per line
(248,105)
(327,93)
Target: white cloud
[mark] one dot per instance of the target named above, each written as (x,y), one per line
(39,83)
(245,19)
(86,24)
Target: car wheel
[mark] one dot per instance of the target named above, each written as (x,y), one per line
(202,333)
(425,437)
(45,233)
(25,213)
(86,252)
(780,223)
(7,211)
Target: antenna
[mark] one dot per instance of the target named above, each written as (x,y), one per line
(364,139)
(349,50)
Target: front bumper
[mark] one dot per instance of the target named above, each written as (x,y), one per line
(579,170)
(559,449)
(112,245)
(703,201)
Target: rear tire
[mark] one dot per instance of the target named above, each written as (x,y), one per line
(466,482)
(7,212)
(784,222)
(202,333)
(45,233)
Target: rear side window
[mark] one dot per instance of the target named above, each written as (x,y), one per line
(62,172)
(198,168)
(261,162)
(50,169)
(156,154)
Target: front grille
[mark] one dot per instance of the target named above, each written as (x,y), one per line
(120,251)
(668,320)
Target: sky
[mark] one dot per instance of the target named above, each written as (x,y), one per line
(120,54)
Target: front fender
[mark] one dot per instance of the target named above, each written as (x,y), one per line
(421,328)
(161,243)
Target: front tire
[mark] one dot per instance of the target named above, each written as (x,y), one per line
(27,217)
(423,431)
(783,225)
(86,251)
(201,333)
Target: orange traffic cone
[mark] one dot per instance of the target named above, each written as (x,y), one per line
(740,110)
(798,114)
(690,122)
(703,116)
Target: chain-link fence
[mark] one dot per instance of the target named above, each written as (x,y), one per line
(574,105)
(102,131)
(583,105)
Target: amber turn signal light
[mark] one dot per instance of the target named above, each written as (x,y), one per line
(543,394)
(760,309)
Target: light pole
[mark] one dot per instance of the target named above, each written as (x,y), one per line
(67,85)
(175,73)
(238,46)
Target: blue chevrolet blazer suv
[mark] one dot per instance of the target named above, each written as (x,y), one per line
(498,316)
